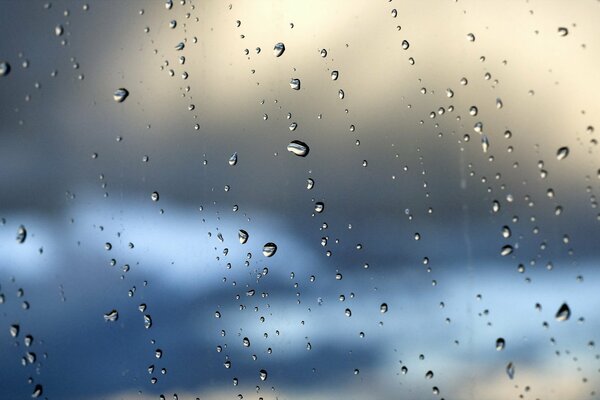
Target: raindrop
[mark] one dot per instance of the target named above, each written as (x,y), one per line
(243,236)
(111,316)
(172,24)
(21,234)
(499,103)
(562,153)
(269,249)
(323,53)
(298,148)
(563,313)
(500,343)
(506,232)
(506,250)
(383,308)
(37,391)
(263,375)
(295,83)
(233,159)
(180,46)
(154,196)
(473,111)
(562,31)
(310,183)
(278,49)
(485,143)
(471,37)
(4,68)
(334,75)
(14,330)
(319,207)
(348,312)
(120,95)
(58,30)
(147,321)
(510,370)
(405,44)
(246,342)
(341,94)
(293,126)
(429,375)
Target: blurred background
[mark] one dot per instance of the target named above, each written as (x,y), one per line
(299,200)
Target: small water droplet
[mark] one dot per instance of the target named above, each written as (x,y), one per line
(279,49)
(120,95)
(58,30)
(263,375)
(562,31)
(563,313)
(154,196)
(269,249)
(562,153)
(341,94)
(348,312)
(243,236)
(510,370)
(233,159)
(334,75)
(295,83)
(470,37)
(485,143)
(14,330)
(246,342)
(319,207)
(298,148)
(180,46)
(323,53)
(429,375)
(405,44)
(310,183)
(111,316)
(383,308)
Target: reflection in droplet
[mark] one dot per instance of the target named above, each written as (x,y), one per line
(243,236)
(298,148)
(563,313)
(111,316)
(120,95)
(269,249)
(562,153)
(279,49)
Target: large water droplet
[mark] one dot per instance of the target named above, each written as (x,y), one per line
(58,30)
(563,313)
(246,342)
(279,49)
(562,153)
(243,236)
(383,308)
(120,95)
(263,375)
(147,321)
(21,234)
(298,148)
(233,159)
(269,249)
(295,83)
(500,343)
(111,316)
(4,68)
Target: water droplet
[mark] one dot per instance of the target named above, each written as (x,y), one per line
(246,342)
(295,83)
(383,308)
(147,321)
(279,49)
(348,312)
(562,153)
(243,236)
(233,159)
(111,316)
(404,370)
(319,207)
(506,250)
(14,330)
(180,46)
(562,31)
(310,183)
(429,375)
(341,94)
(263,375)
(120,95)
(293,126)
(37,391)
(485,143)
(58,30)
(405,44)
(334,75)
(394,13)
(21,234)
(499,103)
(172,24)
(323,53)
(269,249)
(470,37)
(563,313)
(500,343)
(4,68)
(473,111)
(506,232)
(298,148)
(510,370)
(154,196)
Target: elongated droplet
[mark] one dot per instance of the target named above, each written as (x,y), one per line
(510,370)
(506,250)
(500,343)
(295,83)
(243,236)
(111,316)
(233,159)
(21,234)
(485,143)
(563,313)
(298,148)
(562,153)
(180,46)
(279,49)
(120,95)
(37,391)
(269,249)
